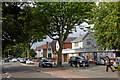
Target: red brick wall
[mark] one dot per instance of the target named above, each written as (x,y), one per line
(67,45)
(44,52)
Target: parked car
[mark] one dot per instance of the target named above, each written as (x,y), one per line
(29,61)
(14,60)
(24,60)
(6,60)
(102,61)
(18,59)
(21,60)
(78,61)
(45,63)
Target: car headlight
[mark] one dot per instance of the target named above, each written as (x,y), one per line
(80,61)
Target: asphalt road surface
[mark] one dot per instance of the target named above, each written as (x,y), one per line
(18,71)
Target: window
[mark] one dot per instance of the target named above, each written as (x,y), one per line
(88,41)
(76,44)
(49,55)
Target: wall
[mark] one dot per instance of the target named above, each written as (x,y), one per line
(67,46)
(39,53)
(45,53)
(91,40)
(49,51)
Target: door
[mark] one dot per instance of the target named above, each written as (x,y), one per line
(65,57)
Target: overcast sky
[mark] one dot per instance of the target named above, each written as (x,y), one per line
(74,34)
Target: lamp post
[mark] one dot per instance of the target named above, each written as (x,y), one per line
(37,54)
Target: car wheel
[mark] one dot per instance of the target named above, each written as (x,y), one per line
(73,65)
(51,65)
(87,65)
(96,63)
(83,64)
(115,67)
(42,65)
(70,64)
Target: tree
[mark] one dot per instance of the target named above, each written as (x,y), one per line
(59,19)
(19,25)
(106,20)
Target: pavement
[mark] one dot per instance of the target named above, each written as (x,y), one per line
(93,71)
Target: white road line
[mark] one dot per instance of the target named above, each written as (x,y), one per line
(6,73)
(9,76)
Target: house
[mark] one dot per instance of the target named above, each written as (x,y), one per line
(83,45)
(86,46)
(42,50)
(53,47)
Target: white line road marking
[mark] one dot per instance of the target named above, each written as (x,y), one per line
(9,76)
(6,73)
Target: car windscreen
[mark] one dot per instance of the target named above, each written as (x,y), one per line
(81,58)
(30,60)
(45,61)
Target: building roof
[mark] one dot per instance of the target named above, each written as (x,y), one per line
(81,38)
(42,46)
(69,39)
(53,45)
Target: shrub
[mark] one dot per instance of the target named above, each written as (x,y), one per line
(119,68)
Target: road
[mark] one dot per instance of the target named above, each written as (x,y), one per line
(19,71)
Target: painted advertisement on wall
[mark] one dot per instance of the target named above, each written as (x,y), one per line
(72,55)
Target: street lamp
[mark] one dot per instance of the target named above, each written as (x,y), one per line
(37,54)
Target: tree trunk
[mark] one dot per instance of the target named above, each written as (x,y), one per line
(28,51)
(59,62)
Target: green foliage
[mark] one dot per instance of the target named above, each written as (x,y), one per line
(119,68)
(19,25)
(61,17)
(24,54)
(58,19)
(32,53)
(106,20)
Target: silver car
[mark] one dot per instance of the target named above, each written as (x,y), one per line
(102,61)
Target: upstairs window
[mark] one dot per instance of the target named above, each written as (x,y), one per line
(88,42)
(76,44)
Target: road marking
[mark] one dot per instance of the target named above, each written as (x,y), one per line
(48,73)
(9,76)
(6,73)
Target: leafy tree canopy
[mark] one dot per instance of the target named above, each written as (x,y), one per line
(60,18)
(106,20)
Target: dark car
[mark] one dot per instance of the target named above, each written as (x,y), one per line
(6,60)
(45,63)
(78,61)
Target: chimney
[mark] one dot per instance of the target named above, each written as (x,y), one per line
(47,45)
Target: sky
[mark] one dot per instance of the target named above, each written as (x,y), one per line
(74,34)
